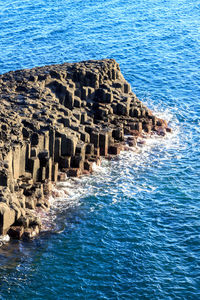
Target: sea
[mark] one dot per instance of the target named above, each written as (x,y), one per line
(131,230)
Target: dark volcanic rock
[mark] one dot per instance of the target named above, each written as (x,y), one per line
(60,118)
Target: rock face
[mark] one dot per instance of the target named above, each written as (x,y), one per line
(60,118)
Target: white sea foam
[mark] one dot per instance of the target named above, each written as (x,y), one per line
(71,192)
(4,239)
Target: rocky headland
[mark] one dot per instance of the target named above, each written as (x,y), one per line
(57,120)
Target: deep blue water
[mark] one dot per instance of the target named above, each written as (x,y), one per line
(132,230)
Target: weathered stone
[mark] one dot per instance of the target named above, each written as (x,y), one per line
(61,117)
(80,149)
(127,88)
(16,232)
(30,202)
(118,134)
(7,218)
(68,145)
(103,143)
(101,113)
(57,153)
(84,93)
(114,149)
(47,187)
(34,165)
(83,117)
(135,112)
(74,172)
(168,129)
(77,162)
(3,178)
(97,152)
(16,161)
(48,174)
(55,172)
(90,149)
(147,128)
(30,233)
(94,138)
(88,166)
(23,221)
(132,142)
(62,176)
(122,109)
(64,162)
(69,99)
(77,102)
(85,137)
(33,152)
(44,158)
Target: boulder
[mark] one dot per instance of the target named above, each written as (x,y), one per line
(7,218)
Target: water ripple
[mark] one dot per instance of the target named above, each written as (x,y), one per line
(131,230)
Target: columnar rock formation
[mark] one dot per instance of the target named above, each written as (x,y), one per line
(60,118)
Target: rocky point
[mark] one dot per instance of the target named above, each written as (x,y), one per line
(57,120)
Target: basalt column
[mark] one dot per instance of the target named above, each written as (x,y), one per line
(60,118)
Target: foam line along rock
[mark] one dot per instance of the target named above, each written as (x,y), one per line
(58,120)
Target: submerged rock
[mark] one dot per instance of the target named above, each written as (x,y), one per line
(57,120)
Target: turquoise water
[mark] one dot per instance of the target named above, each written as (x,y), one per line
(130,231)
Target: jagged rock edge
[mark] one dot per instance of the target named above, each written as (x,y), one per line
(58,120)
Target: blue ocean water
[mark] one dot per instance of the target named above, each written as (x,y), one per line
(132,230)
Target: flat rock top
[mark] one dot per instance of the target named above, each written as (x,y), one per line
(34,95)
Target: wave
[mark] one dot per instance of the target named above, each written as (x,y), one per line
(71,193)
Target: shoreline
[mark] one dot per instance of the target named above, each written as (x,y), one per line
(59,189)
(58,120)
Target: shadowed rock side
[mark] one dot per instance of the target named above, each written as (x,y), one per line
(60,119)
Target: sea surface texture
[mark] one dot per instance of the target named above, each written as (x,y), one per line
(132,229)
